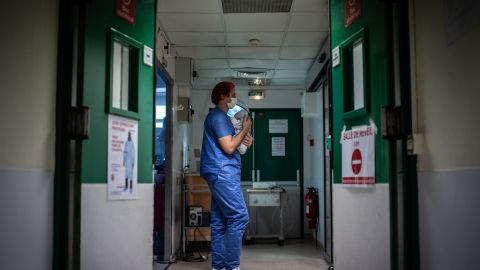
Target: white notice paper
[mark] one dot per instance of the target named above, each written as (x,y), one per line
(278,146)
(278,125)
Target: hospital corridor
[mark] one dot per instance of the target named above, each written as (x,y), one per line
(239,135)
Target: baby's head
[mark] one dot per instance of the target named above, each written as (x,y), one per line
(240,114)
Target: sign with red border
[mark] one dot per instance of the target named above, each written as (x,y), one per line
(358,156)
(353,10)
(125,9)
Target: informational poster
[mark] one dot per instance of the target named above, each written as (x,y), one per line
(278,146)
(125,9)
(122,158)
(353,10)
(358,156)
(278,125)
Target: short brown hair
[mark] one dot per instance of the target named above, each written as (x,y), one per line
(222,88)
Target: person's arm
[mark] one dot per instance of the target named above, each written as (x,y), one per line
(230,143)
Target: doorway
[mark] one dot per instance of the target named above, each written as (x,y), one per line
(162,166)
(276,158)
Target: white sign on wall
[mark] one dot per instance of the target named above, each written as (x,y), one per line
(336,56)
(358,156)
(278,146)
(278,125)
(122,158)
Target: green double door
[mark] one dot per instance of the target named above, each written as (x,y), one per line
(113,80)
(276,153)
(371,110)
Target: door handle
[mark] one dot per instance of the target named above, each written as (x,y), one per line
(258,175)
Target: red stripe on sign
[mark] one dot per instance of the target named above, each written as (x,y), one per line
(358,180)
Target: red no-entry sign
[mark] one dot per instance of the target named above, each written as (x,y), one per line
(356,161)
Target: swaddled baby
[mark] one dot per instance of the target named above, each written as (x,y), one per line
(237,121)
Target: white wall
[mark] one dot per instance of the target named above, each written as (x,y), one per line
(361,226)
(446,96)
(127,237)
(27,105)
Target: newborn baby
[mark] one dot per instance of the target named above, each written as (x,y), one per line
(237,121)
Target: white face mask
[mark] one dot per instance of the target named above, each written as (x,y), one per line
(232,103)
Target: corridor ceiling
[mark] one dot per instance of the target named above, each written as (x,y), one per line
(219,41)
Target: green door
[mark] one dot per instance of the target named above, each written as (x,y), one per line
(116,83)
(362,63)
(276,154)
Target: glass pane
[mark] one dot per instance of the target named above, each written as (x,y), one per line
(358,91)
(116,74)
(125,77)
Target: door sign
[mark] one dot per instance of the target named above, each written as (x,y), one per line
(352,11)
(358,155)
(125,9)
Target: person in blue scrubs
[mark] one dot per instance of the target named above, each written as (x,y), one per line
(220,165)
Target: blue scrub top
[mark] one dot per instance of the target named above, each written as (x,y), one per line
(213,160)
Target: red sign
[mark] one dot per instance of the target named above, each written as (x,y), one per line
(352,11)
(356,161)
(125,9)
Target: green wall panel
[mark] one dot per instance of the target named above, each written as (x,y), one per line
(374,20)
(100,17)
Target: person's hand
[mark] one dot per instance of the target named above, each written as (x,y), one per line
(247,122)
(248,140)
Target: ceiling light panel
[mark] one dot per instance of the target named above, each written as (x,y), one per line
(256,6)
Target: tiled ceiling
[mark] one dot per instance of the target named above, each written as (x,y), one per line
(219,42)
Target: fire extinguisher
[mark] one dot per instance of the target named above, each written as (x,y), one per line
(311,207)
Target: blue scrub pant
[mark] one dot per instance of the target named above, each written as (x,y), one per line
(228,219)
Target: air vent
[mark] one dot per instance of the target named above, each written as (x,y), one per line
(256,6)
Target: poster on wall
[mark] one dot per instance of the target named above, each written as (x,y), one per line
(122,158)
(358,156)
